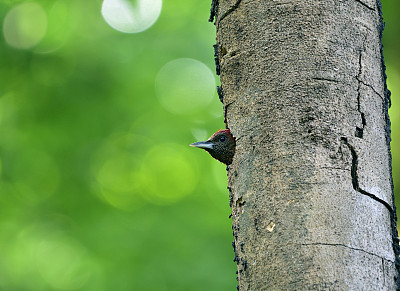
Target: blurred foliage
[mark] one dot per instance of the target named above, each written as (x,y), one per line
(98,189)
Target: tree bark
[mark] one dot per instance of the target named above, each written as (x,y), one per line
(304,92)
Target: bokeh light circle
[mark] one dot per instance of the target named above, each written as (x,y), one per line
(166,174)
(114,166)
(62,24)
(25,25)
(131,16)
(185,86)
(63,262)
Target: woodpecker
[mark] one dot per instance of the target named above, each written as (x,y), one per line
(221,146)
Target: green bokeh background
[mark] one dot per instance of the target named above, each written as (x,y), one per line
(98,188)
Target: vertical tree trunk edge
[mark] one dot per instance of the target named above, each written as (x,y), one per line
(387,103)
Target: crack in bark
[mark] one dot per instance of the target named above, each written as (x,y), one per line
(387,103)
(226,112)
(345,246)
(383,272)
(365,5)
(354,177)
(359,134)
(360,131)
(370,86)
(230,10)
(325,79)
(335,168)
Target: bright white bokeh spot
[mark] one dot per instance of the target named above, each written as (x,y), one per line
(131,16)
(185,86)
(25,25)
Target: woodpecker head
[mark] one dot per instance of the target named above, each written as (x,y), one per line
(221,146)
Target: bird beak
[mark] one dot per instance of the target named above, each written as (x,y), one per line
(207,145)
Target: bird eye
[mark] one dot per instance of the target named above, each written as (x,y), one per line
(222,139)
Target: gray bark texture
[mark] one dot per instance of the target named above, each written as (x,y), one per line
(303,86)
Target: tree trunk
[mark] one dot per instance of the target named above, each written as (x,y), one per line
(303,86)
